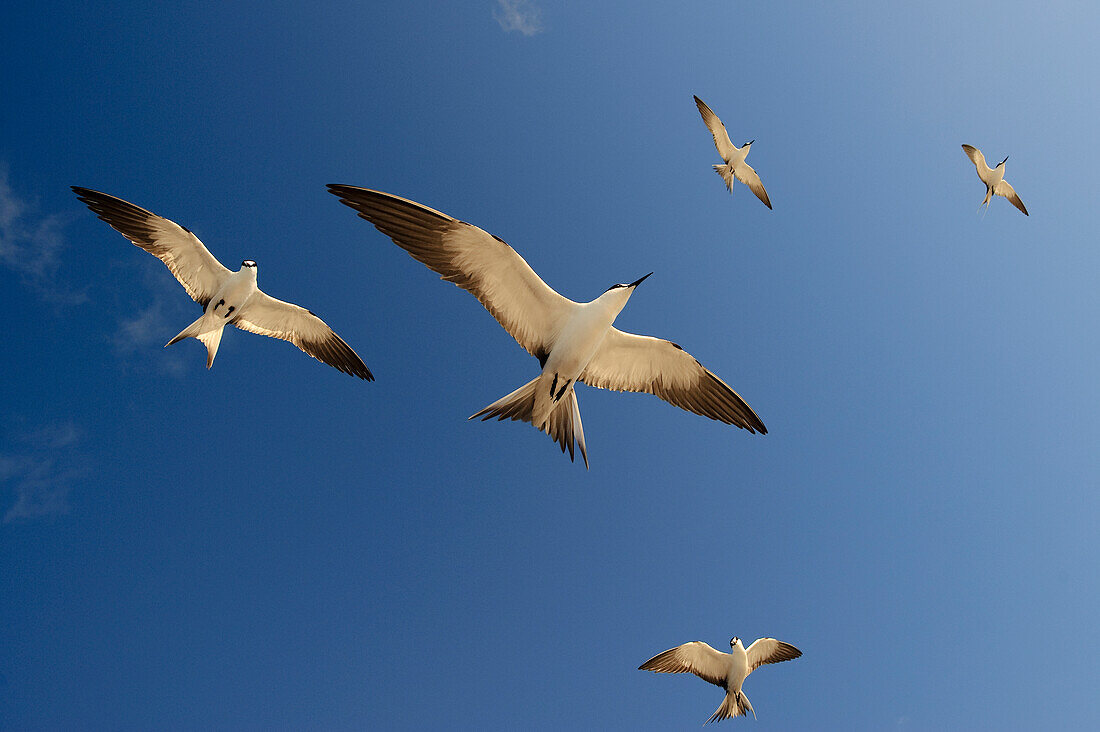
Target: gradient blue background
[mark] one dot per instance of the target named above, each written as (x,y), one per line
(272,544)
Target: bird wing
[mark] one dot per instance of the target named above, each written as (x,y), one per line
(1003,188)
(268,316)
(185,256)
(770,650)
(475,260)
(696,658)
(748,176)
(628,362)
(717,130)
(978,159)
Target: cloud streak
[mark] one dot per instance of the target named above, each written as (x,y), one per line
(518,15)
(42,475)
(31,245)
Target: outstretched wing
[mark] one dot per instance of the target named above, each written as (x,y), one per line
(696,658)
(628,362)
(717,129)
(1003,188)
(770,650)
(978,159)
(180,250)
(471,258)
(748,176)
(271,317)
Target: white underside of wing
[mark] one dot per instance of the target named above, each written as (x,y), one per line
(529,309)
(1002,188)
(722,141)
(748,176)
(266,315)
(629,362)
(696,658)
(270,316)
(769,650)
(473,259)
(200,273)
(976,157)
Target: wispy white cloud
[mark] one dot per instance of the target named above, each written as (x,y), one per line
(31,245)
(518,15)
(42,473)
(144,331)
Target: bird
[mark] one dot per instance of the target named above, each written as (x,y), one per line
(573,342)
(994,179)
(226,297)
(734,157)
(728,670)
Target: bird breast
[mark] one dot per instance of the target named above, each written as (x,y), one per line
(739,668)
(580,339)
(233,295)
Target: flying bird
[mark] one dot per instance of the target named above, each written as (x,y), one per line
(226,297)
(994,179)
(735,166)
(728,670)
(572,341)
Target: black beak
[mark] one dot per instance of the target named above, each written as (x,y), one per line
(750,142)
(1005,160)
(635,283)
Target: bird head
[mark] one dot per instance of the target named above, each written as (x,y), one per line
(1003,161)
(749,143)
(617,295)
(248,264)
(734,642)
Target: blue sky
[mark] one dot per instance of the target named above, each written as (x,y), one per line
(273,544)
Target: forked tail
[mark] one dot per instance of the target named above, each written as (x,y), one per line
(734,705)
(726,171)
(564,425)
(210,337)
(985,202)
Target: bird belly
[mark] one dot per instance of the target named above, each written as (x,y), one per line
(573,349)
(578,342)
(739,669)
(230,299)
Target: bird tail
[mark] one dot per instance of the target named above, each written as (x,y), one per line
(209,333)
(726,171)
(734,705)
(564,425)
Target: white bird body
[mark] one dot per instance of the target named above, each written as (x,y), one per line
(995,184)
(572,341)
(727,670)
(232,297)
(226,297)
(735,166)
(238,289)
(573,348)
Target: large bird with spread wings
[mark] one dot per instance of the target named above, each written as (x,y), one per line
(226,297)
(728,670)
(572,341)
